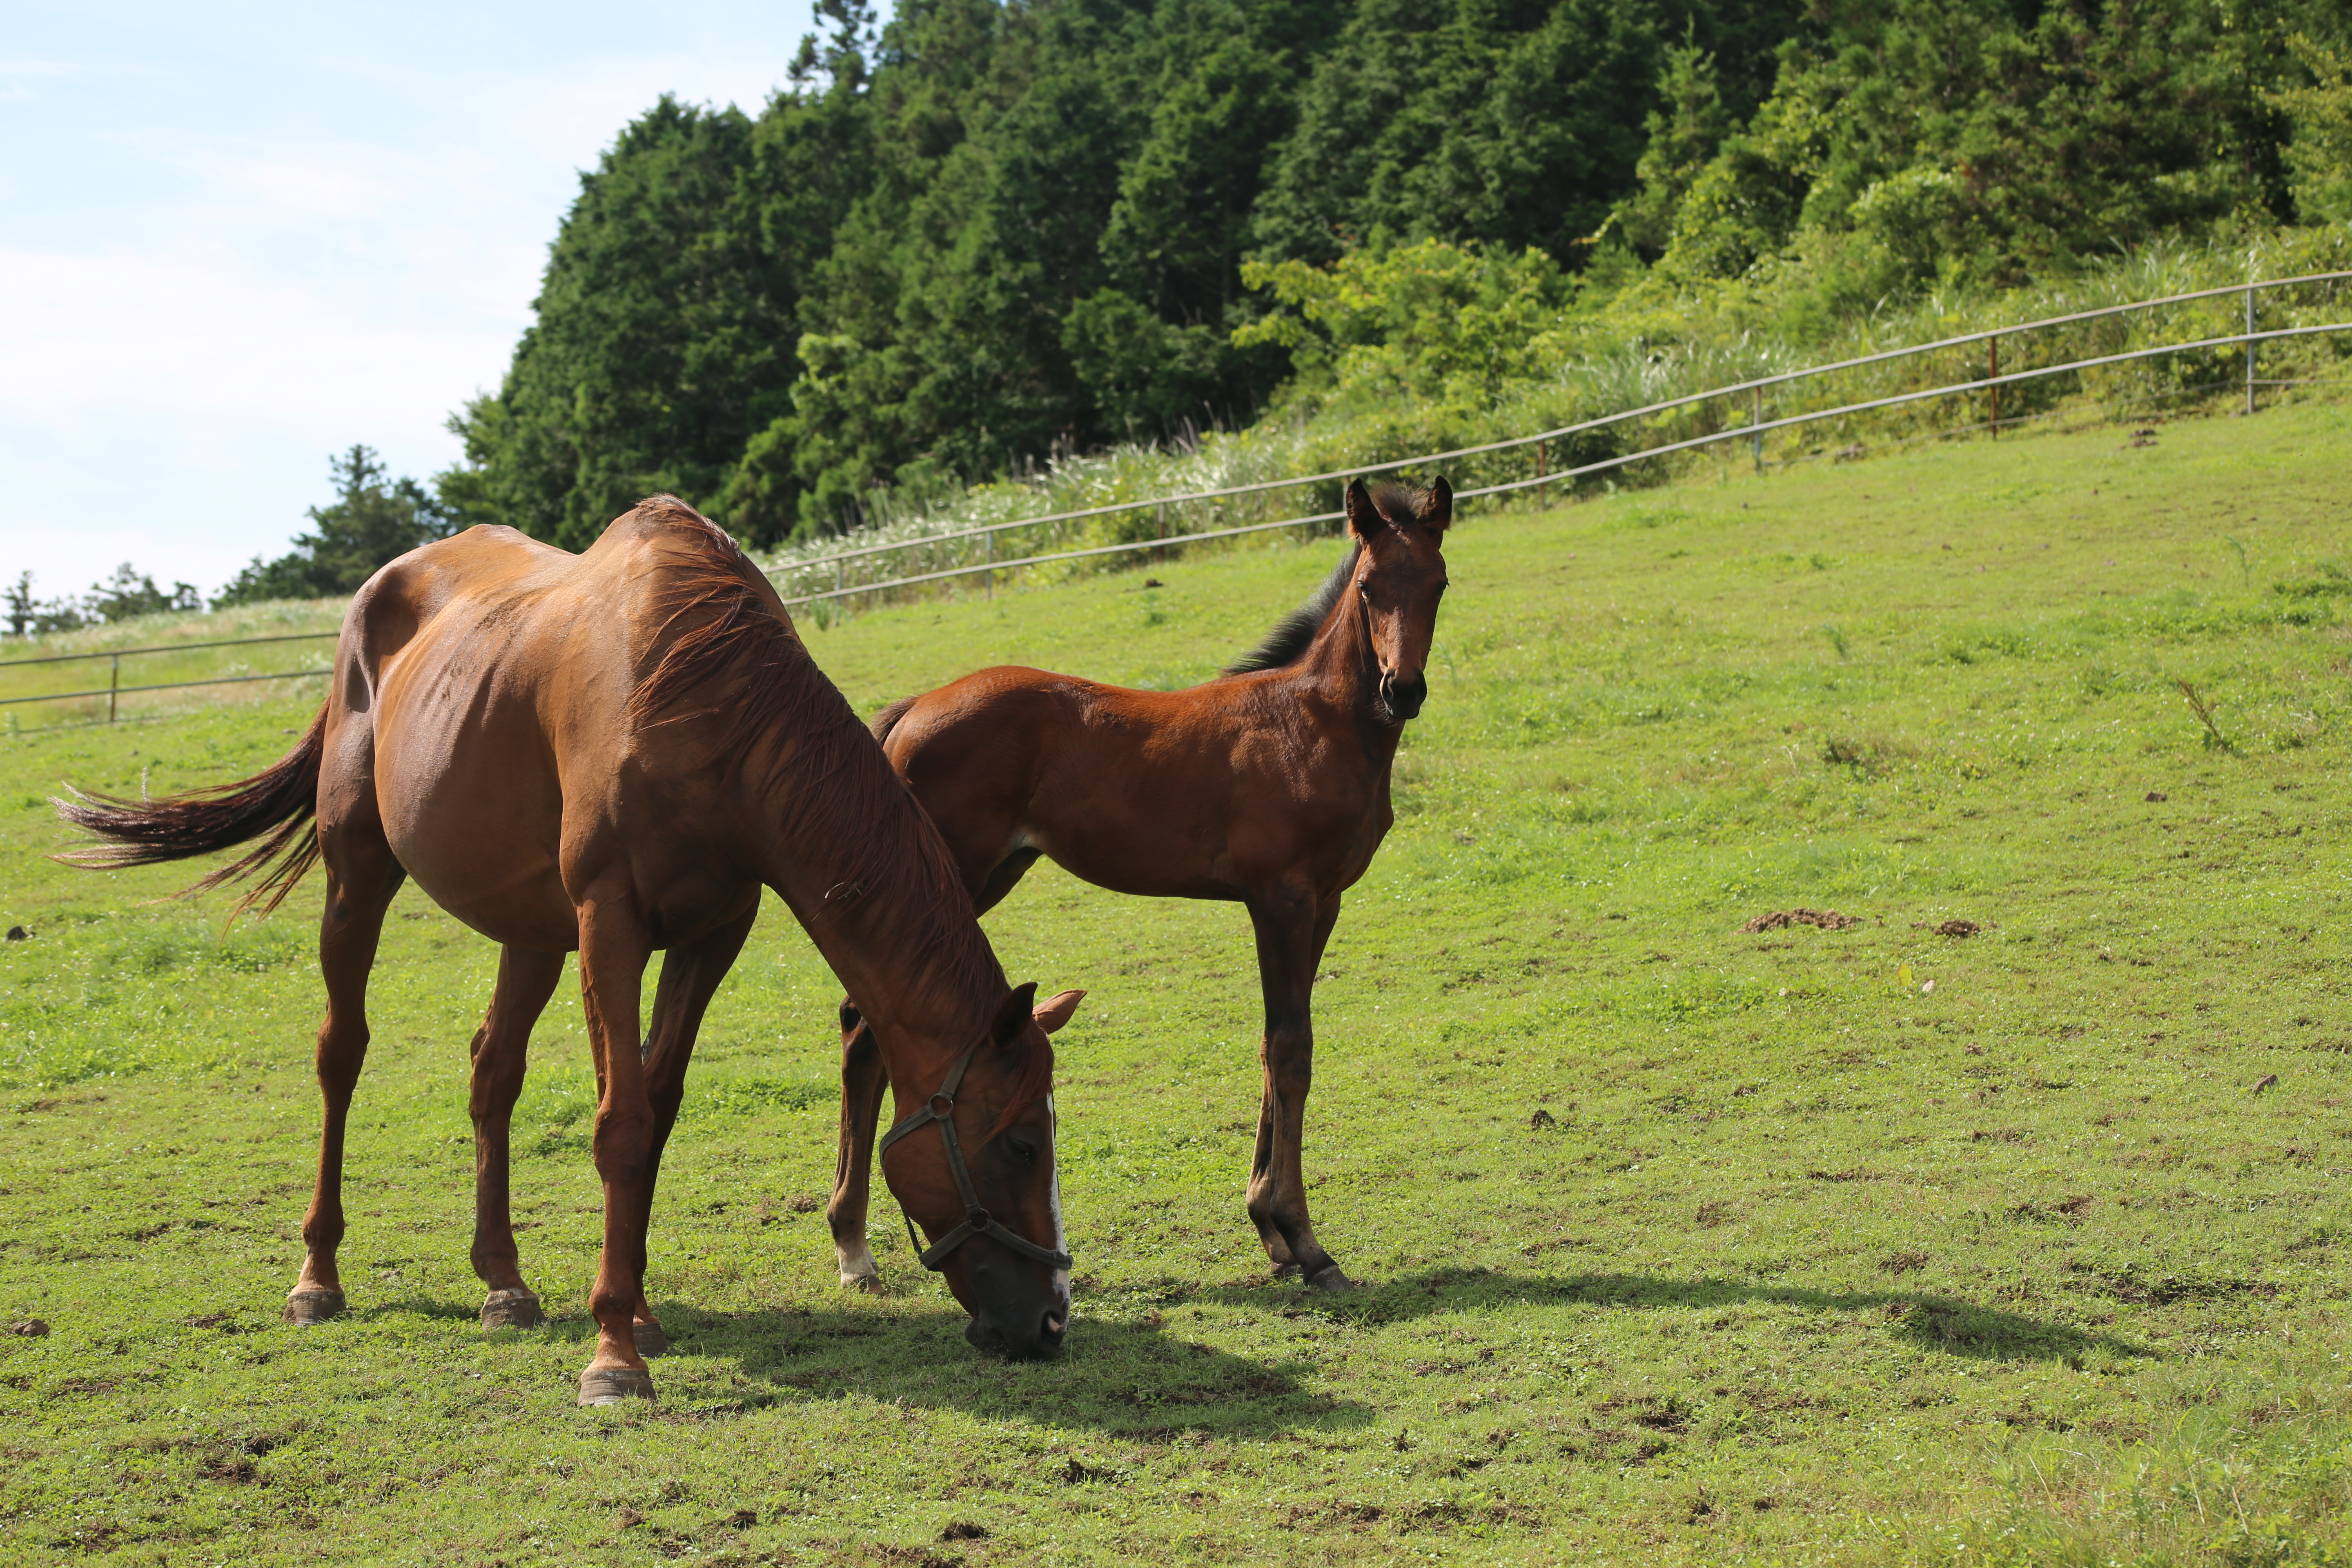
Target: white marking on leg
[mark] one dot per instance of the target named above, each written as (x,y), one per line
(1061,1240)
(857,1262)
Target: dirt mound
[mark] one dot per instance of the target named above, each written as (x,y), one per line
(1828,920)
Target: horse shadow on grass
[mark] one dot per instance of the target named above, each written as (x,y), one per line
(1927,1319)
(1119,1378)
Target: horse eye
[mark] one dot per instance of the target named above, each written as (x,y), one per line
(1022,1150)
(1363,589)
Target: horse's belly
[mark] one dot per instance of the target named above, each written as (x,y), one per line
(473,808)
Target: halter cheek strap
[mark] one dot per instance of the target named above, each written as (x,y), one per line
(977,1221)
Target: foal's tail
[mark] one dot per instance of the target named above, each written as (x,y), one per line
(278,801)
(887,720)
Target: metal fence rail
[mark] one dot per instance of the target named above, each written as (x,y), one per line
(1756,431)
(113,690)
(1990,384)
(1754,389)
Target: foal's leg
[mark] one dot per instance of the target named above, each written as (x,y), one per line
(526,980)
(862,1083)
(361,877)
(614,948)
(690,973)
(1291,934)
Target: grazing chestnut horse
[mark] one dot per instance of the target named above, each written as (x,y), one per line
(613,752)
(1267,787)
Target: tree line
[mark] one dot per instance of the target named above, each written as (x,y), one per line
(962,241)
(957,243)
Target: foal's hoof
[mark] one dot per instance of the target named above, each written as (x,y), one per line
(651,1341)
(615,1385)
(1330,1278)
(866,1284)
(512,1310)
(313,1306)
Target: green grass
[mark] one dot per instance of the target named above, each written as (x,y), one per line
(1803,1260)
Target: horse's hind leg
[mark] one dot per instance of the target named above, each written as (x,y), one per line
(361,877)
(1291,934)
(526,980)
(862,1083)
(690,974)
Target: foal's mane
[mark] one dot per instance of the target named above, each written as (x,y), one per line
(732,654)
(1293,634)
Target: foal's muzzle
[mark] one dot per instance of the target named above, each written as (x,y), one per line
(1402,695)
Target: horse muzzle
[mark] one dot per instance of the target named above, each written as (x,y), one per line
(1017,1341)
(1402,695)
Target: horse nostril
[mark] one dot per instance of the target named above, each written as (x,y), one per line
(1053,1325)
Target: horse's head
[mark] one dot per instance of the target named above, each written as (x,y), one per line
(1006,1205)
(1399,577)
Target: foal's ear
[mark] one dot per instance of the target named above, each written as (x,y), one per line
(1436,510)
(1056,1011)
(850,1017)
(1364,518)
(1013,1014)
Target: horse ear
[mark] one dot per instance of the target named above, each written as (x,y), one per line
(1013,1014)
(1364,518)
(1436,513)
(1056,1011)
(850,1017)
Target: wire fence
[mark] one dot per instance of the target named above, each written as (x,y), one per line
(1739,416)
(1727,415)
(114,690)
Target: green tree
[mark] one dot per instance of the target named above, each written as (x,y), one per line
(372,519)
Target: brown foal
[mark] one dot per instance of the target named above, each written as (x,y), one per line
(1267,787)
(612,753)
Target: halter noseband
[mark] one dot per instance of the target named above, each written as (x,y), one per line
(977,1221)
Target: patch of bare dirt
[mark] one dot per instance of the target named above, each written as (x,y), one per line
(1828,920)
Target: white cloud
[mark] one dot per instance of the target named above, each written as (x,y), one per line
(219,270)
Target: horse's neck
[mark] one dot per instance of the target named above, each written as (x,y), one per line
(861,870)
(1343,671)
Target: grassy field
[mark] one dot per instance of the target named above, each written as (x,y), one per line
(1687,1244)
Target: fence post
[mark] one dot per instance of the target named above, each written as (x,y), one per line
(114,686)
(1992,373)
(1160,554)
(1756,422)
(988,543)
(839,575)
(1539,460)
(2250,349)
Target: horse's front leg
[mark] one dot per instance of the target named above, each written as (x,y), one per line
(501,1047)
(690,973)
(614,948)
(862,1083)
(1291,932)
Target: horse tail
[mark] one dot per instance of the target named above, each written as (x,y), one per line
(887,720)
(278,801)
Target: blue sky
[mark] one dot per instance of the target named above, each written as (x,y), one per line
(234,240)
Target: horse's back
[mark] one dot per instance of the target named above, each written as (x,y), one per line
(492,677)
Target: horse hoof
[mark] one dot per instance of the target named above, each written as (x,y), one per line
(1284,1271)
(615,1385)
(512,1310)
(651,1341)
(865,1284)
(1329,1278)
(313,1306)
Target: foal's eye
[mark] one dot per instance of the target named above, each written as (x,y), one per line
(1022,1150)
(1363,589)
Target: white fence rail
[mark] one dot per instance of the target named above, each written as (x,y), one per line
(1753,431)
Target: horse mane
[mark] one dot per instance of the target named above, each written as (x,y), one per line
(1292,635)
(732,654)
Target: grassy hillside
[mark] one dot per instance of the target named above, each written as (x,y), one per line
(1867,1245)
